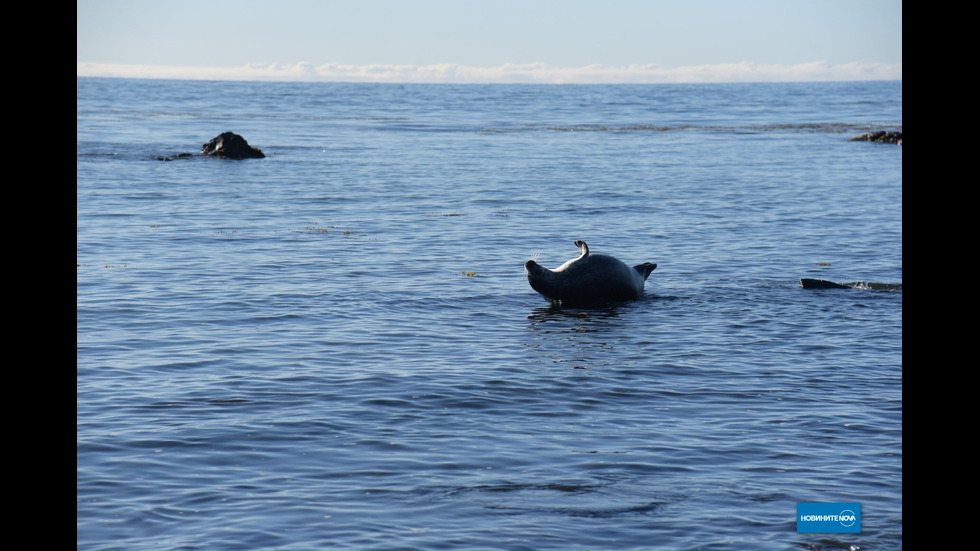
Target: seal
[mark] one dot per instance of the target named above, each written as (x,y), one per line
(807,283)
(589,279)
(229,145)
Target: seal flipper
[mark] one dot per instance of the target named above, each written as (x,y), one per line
(645,269)
(583,249)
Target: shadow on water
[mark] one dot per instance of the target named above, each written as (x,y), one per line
(553,311)
(566,499)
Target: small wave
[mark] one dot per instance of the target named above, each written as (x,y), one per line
(818,127)
(868,285)
(807,283)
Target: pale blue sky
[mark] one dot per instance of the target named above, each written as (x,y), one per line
(493,40)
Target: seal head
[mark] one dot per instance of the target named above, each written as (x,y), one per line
(589,279)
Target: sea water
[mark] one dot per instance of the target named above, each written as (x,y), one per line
(336,347)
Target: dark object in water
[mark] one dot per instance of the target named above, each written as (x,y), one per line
(177,156)
(821,284)
(589,280)
(824,284)
(880,136)
(229,145)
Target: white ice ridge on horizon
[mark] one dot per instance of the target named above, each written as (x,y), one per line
(540,73)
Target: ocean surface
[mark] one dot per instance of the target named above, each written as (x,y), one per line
(336,347)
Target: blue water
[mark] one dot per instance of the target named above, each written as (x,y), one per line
(335,347)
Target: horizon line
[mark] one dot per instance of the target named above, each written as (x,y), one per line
(507,73)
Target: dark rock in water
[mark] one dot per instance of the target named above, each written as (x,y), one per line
(177,156)
(880,137)
(229,145)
